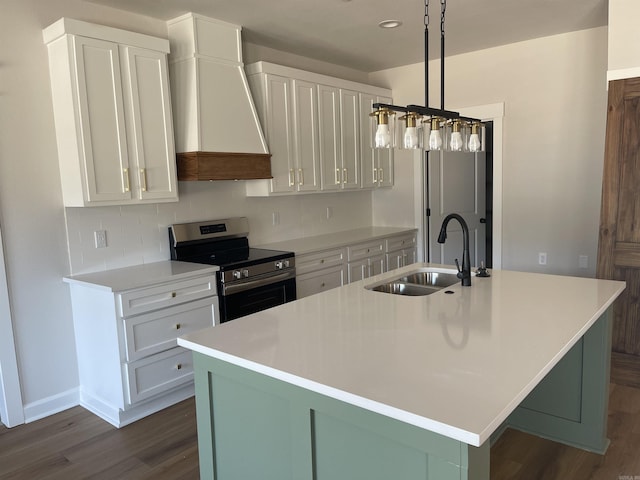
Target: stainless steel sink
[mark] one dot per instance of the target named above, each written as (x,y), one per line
(420,282)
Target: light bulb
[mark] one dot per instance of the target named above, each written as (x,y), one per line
(411,137)
(456,142)
(435,139)
(474,143)
(383,136)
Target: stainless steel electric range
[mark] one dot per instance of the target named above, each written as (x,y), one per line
(250,279)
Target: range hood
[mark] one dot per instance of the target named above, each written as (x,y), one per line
(218,133)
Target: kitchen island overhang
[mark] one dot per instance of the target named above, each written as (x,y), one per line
(456,365)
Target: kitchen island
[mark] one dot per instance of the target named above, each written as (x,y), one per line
(357,384)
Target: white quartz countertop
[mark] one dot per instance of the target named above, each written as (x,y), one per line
(127,278)
(315,243)
(456,364)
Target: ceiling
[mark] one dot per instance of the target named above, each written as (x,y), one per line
(346,32)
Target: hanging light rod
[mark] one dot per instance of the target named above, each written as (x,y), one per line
(419,122)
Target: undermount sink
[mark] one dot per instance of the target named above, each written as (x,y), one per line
(420,282)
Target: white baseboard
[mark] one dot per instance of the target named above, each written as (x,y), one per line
(119,418)
(51,405)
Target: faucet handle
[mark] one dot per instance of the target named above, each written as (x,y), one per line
(459,274)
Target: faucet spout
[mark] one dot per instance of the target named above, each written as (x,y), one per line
(464,273)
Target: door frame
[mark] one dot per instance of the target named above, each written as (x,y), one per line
(492,112)
(11,408)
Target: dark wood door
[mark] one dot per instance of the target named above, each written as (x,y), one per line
(619,241)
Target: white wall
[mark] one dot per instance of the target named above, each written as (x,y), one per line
(33,218)
(554,93)
(624,35)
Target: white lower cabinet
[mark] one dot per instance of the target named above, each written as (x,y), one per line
(335,266)
(366,259)
(401,251)
(320,271)
(129,363)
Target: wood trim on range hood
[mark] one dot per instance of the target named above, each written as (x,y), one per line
(223,166)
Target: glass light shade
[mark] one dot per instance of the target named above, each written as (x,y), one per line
(411,132)
(455,139)
(435,134)
(476,138)
(382,128)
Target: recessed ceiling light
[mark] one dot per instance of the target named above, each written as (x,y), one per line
(390,23)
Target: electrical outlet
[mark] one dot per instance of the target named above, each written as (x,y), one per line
(100,238)
(583,261)
(542,258)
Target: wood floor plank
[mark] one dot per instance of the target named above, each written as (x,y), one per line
(77,445)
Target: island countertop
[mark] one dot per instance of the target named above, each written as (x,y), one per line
(453,363)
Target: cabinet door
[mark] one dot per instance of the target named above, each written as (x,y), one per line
(307,153)
(350,138)
(329,132)
(319,281)
(377,265)
(278,128)
(150,124)
(358,270)
(102,120)
(368,155)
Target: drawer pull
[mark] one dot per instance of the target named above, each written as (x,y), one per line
(173,294)
(322,260)
(143,179)
(322,285)
(178,326)
(125,176)
(179,366)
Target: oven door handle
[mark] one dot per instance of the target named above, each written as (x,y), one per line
(230,289)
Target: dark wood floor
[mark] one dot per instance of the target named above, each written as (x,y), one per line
(76,444)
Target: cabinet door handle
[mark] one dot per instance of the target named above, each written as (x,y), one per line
(322,284)
(381,175)
(345,175)
(291,177)
(173,294)
(178,326)
(338,182)
(143,179)
(375,176)
(125,177)
(179,366)
(300,177)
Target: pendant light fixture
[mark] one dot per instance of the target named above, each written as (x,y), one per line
(423,127)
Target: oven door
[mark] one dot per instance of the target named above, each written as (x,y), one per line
(243,298)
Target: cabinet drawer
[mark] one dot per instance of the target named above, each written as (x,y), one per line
(158,374)
(365,250)
(145,300)
(312,262)
(401,242)
(157,331)
(319,281)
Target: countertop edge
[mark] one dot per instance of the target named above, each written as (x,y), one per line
(337,394)
(105,280)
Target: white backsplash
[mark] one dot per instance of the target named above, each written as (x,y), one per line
(138,234)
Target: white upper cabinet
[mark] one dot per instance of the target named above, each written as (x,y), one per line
(350,138)
(376,163)
(329,128)
(314,126)
(112,110)
(288,109)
